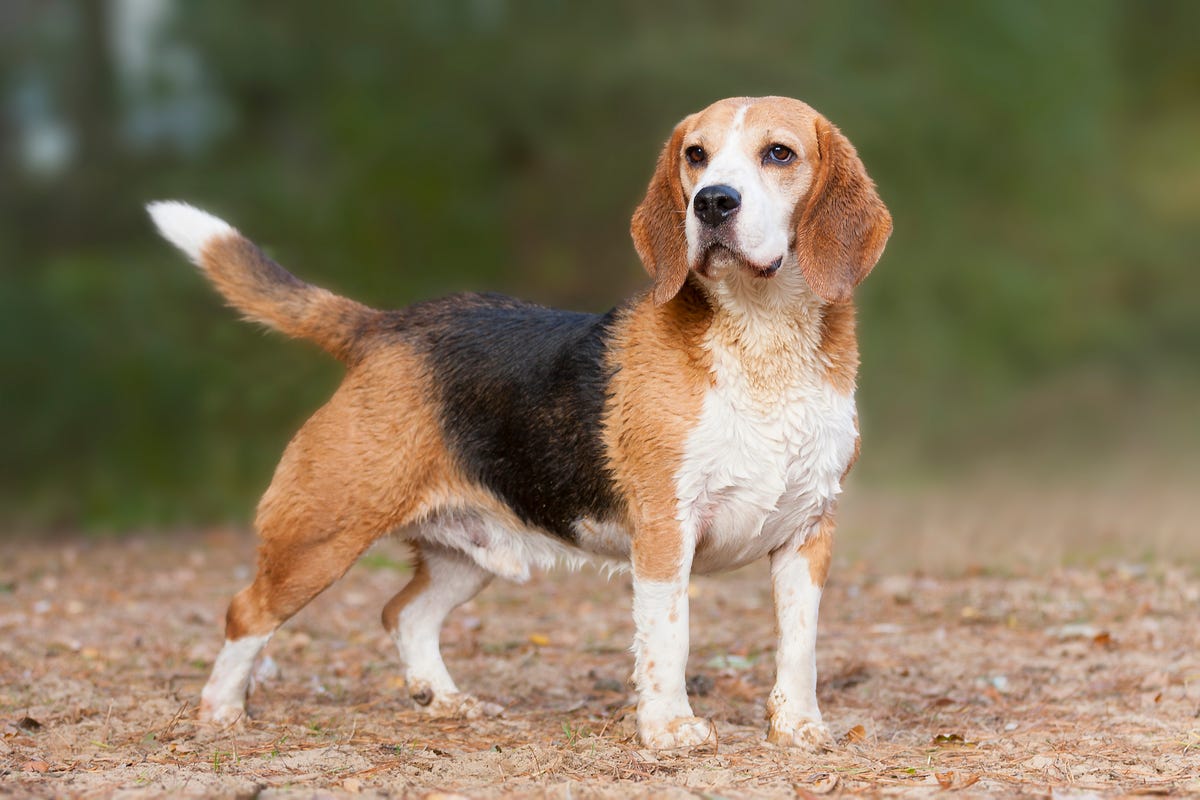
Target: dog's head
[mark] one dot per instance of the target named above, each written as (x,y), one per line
(752,186)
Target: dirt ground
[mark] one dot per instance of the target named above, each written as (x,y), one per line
(1032,681)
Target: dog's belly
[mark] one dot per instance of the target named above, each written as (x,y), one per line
(753,477)
(498,545)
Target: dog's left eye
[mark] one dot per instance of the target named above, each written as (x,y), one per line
(780,154)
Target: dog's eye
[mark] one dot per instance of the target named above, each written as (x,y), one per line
(695,155)
(780,154)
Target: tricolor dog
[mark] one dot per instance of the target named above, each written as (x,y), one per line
(701,425)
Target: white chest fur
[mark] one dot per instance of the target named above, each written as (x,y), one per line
(766,459)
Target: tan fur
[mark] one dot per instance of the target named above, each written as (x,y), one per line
(415,586)
(841,223)
(373,459)
(767,121)
(655,396)
(857,452)
(267,293)
(817,549)
(839,347)
(842,228)
(657,226)
(369,461)
(771,365)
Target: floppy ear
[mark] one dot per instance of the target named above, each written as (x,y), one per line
(657,227)
(843,225)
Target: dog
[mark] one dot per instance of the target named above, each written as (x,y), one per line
(705,423)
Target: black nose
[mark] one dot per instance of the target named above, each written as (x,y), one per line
(715,204)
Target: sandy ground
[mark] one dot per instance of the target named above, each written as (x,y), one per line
(1029,682)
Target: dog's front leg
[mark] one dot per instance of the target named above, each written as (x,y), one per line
(798,571)
(662,563)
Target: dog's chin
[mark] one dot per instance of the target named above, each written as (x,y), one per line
(720,260)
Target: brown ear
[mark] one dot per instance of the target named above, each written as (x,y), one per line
(657,226)
(844,225)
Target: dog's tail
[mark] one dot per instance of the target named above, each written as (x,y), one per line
(258,287)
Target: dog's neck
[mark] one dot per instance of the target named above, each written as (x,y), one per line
(777,332)
(776,317)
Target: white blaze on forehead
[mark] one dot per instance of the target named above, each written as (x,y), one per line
(729,158)
(760,228)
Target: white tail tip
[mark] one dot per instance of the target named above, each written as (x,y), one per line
(187,227)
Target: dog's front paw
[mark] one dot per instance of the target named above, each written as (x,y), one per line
(455,704)
(464,706)
(225,715)
(677,733)
(804,734)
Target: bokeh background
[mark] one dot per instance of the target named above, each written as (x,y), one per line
(1031,338)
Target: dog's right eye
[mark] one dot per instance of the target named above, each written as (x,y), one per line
(695,155)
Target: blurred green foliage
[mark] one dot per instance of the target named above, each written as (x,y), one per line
(1041,161)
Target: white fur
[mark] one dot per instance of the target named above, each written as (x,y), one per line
(792,707)
(765,460)
(761,468)
(763,221)
(660,646)
(497,545)
(224,697)
(462,552)
(605,539)
(187,227)
(453,579)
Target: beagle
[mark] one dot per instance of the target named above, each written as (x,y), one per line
(705,423)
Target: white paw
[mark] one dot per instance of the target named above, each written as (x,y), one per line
(677,733)
(803,734)
(226,715)
(456,704)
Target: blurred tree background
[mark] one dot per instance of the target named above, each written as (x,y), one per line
(1036,306)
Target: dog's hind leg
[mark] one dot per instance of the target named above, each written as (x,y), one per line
(291,572)
(443,580)
(335,492)
(363,465)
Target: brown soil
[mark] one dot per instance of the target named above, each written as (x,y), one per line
(1051,680)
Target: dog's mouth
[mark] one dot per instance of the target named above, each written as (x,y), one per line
(718,255)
